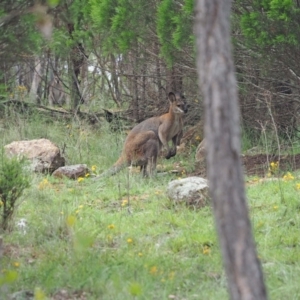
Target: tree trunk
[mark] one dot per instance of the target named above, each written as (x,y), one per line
(36,80)
(46,75)
(76,59)
(222,135)
(174,81)
(85,81)
(135,102)
(115,78)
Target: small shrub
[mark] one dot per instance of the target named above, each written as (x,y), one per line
(13,181)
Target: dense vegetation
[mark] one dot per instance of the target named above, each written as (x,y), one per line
(130,54)
(119,238)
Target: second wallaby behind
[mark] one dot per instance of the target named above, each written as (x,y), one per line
(144,141)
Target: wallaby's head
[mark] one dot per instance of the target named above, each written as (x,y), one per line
(177,103)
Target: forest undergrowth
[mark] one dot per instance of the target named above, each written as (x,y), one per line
(120,237)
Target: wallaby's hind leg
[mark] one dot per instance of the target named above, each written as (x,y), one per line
(143,170)
(150,152)
(151,166)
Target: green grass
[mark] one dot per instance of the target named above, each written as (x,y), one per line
(86,236)
(254,142)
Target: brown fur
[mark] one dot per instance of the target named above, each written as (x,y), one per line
(144,141)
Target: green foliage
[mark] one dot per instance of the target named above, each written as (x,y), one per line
(184,20)
(13,181)
(271,22)
(78,15)
(20,31)
(165,27)
(121,23)
(53,3)
(8,277)
(174,27)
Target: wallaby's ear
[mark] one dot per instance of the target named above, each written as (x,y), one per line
(172,97)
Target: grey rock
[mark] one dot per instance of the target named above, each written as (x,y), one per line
(192,191)
(45,156)
(72,172)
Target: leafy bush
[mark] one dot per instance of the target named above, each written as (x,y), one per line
(13,181)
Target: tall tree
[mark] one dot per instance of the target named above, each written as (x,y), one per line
(217,79)
(17,27)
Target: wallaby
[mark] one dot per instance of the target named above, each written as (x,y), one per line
(144,141)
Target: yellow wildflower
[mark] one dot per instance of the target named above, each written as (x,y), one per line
(111,226)
(129,241)
(80,179)
(206,250)
(71,220)
(16,264)
(44,184)
(39,294)
(1,203)
(275,207)
(288,176)
(124,202)
(298,186)
(274,165)
(153,270)
(87,174)
(140,254)
(93,168)
(171,275)
(260,224)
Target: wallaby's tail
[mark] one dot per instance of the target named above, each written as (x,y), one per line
(117,167)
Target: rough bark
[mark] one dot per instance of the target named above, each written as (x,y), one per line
(222,134)
(57,95)
(36,80)
(77,56)
(135,104)
(174,80)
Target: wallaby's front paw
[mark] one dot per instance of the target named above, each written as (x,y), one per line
(172,153)
(168,156)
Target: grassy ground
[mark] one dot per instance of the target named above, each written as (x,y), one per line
(119,238)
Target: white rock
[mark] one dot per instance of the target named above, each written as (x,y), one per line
(193,191)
